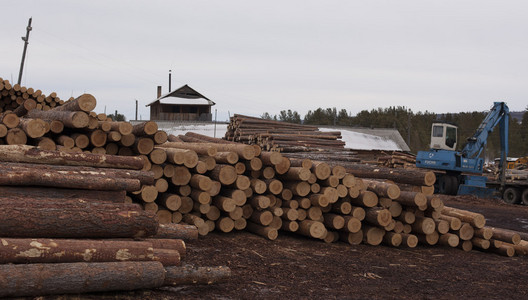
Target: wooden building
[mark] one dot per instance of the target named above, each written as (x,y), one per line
(183,104)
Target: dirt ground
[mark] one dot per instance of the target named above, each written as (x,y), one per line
(294,267)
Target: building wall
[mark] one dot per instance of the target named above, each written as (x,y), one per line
(169,112)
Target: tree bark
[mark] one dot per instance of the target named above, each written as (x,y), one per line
(71,119)
(74,219)
(409,176)
(74,278)
(45,194)
(25,175)
(84,102)
(177,231)
(30,154)
(22,251)
(475,219)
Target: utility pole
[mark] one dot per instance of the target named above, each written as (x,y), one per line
(136,108)
(170,80)
(26,42)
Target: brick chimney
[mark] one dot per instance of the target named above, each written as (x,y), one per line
(159,91)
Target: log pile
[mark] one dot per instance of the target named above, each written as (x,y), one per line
(124,174)
(72,240)
(68,222)
(280,136)
(271,192)
(397,159)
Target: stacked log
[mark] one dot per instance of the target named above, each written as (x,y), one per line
(72,209)
(397,159)
(280,136)
(329,201)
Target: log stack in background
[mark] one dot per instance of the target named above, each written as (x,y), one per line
(331,201)
(281,136)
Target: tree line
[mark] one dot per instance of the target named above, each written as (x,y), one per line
(415,128)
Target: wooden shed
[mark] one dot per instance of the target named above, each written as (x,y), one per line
(183,104)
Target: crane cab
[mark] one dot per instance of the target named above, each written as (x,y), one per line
(443,136)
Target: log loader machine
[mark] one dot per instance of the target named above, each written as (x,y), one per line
(460,172)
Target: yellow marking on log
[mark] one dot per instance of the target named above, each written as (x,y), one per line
(123,254)
(53,244)
(4,242)
(88,254)
(33,252)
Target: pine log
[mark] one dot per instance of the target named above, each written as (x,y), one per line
(145,178)
(352,224)
(23,109)
(480,243)
(186,275)
(378,216)
(415,199)
(423,225)
(270,158)
(373,235)
(35,219)
(449,239)
(313,229)
(16,136)
(392,239)
(383,189)
(225,174)
(29,154)
(25,175)
(366,199)
(145,128)
(351,238)
(10,120)
(506,235)
(484,232)
(42,194)
(408,176)
(199,148)
(77,119)
(74,278)
(177,231)
(466,232)
(475,219)
(167,257)
(333,221)
(264,231)
(34,128)
(454,223)
(21,251)
(409,240)
(84,102)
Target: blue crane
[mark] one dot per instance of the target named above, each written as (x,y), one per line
(457,169)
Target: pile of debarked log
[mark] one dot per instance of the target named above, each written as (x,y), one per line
(273,135)
(65,227)
(269,192)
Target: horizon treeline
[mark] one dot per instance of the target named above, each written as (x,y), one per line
(415,128)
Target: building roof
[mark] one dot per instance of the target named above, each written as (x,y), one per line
(185,95)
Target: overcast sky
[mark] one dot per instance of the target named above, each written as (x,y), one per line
(252,57)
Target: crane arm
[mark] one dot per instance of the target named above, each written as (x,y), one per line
(497,115)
